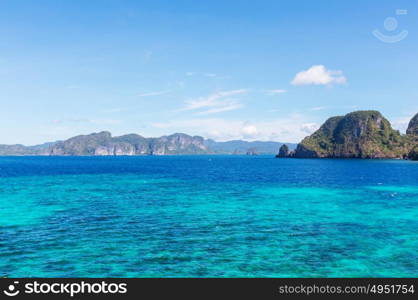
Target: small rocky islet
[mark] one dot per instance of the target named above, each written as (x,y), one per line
(359,134)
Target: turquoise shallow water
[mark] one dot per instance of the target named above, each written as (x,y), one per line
(207,216)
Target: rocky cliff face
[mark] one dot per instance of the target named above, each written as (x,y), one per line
(361,134)
(413,127)
(83,144)
(413,154)
(103,144)
(178,143)
(412,136)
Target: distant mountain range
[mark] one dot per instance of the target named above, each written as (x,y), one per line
(103,144)
(360,134)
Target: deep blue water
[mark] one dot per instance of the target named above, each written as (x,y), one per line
(207,216)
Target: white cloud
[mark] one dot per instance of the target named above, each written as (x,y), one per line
(275,92)
(309,128)
(87,121)
(290,129)
(150,94)
(229,107)
(215,103)
(211,75)
(319,75)
(249,131)
(402,123)
(316,108)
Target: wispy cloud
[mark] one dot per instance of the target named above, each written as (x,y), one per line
(319,75)
(292,128)
(91,121)
(215,103)
(112,110)
(275,92)
(204,74)
(105,121)
(70,120)
(317,108)
(229,107)
(150,94)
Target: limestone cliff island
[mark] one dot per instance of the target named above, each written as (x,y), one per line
(359,134)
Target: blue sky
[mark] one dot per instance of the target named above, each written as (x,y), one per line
(253,70)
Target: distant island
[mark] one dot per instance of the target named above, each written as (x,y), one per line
(103,144)
(360,134)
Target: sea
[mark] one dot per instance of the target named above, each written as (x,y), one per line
(207,216)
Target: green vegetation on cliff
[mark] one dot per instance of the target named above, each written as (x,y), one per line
(360,134)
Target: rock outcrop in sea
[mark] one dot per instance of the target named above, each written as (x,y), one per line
(252,151)
(283,151)
(242,147)
(360,134)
